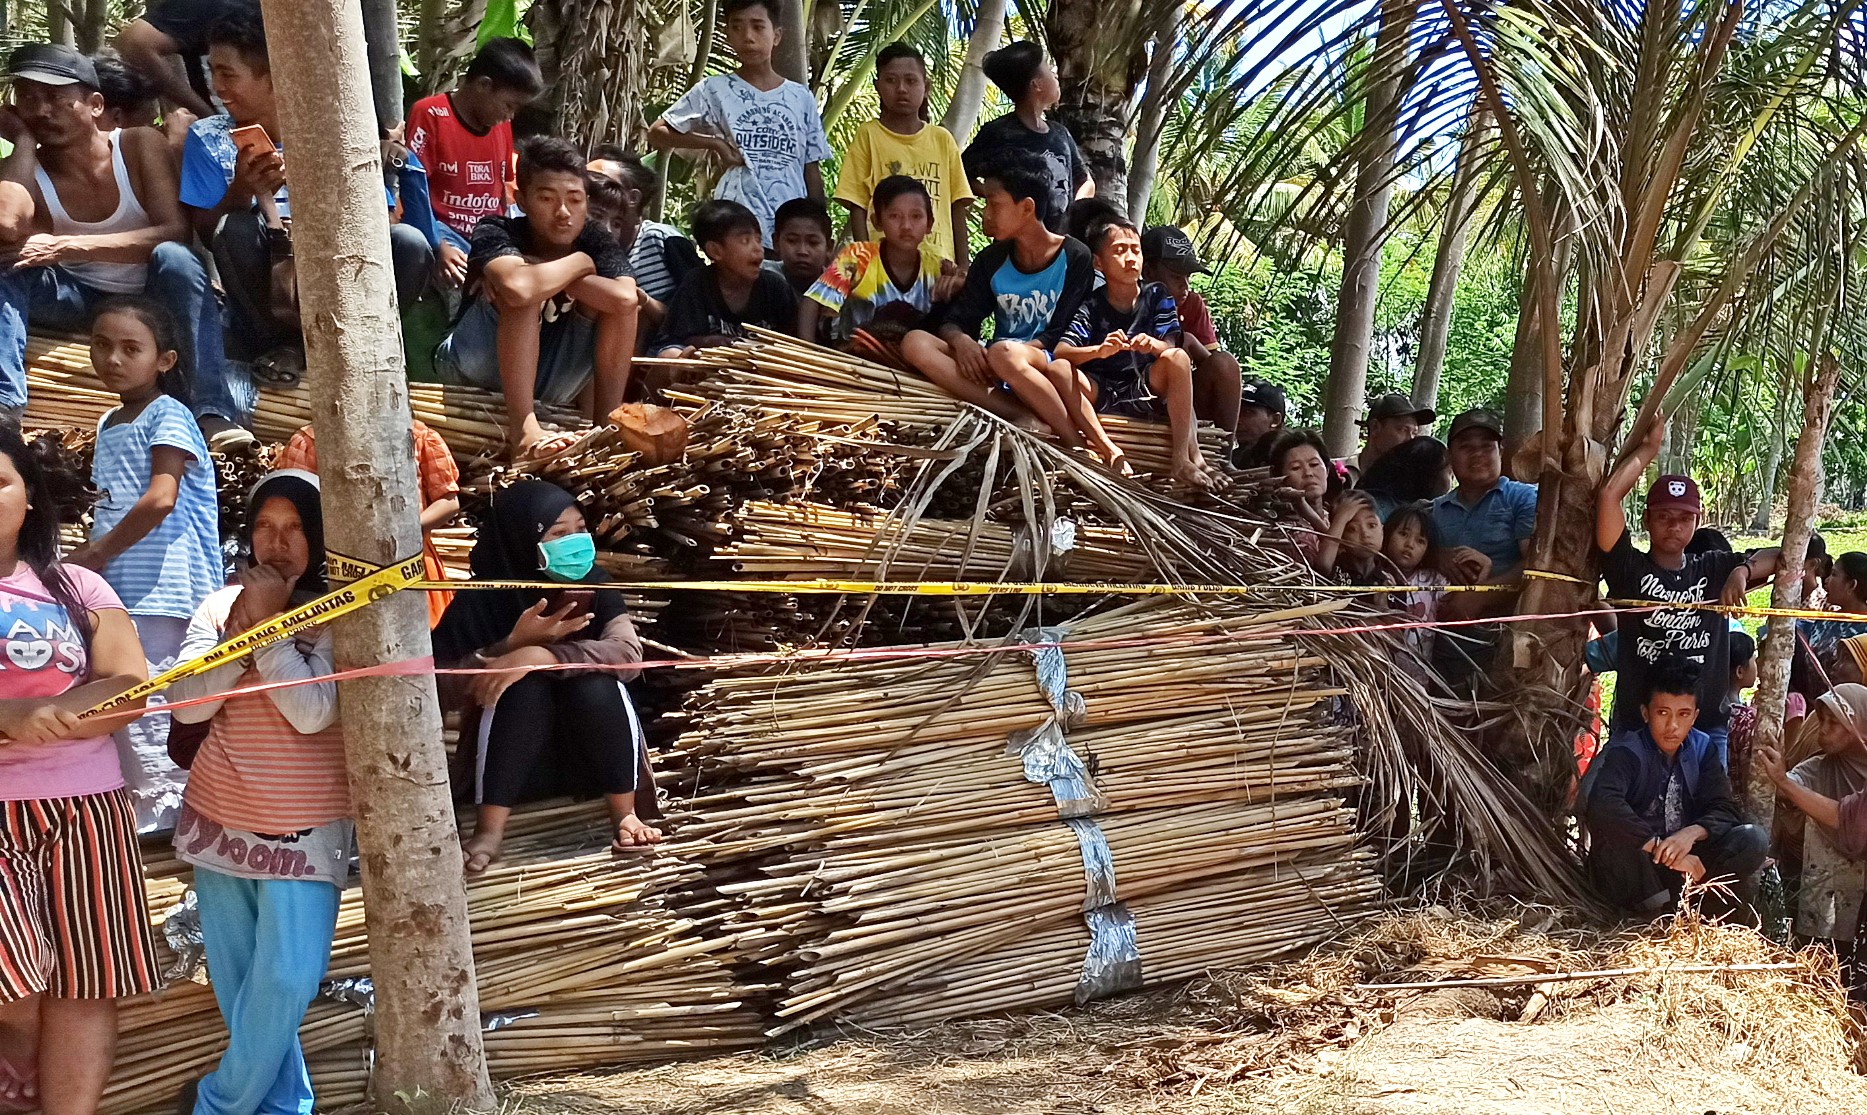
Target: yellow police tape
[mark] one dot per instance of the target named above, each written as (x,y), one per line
(360,584)
(378,583)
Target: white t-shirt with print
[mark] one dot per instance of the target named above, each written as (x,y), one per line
(780,132)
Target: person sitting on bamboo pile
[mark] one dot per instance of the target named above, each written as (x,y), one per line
(1486,521)
(74,918)
(104,221)
(1126,338)
(1031,282)
(660,255)
(550,312)
(714,304)
(266,819)
(883,289)
(1261,410)
(1666,574)
(437,477)
(1300,463)
(1658,804)
(1169,258)
(1828,903)
(802,241)
(534,732)
(1412,472)
(464,138)
(233,189)
(1392,421)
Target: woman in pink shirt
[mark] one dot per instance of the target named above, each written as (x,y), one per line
(74,921)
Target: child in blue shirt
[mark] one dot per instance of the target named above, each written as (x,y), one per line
(155,534)
(1030,282)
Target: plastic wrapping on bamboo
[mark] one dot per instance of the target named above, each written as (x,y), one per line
(584,958)
(879,838)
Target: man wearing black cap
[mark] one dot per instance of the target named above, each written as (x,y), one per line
(1168,257)
(1484,523)
(105,221)
(1392,419)
(1261,410)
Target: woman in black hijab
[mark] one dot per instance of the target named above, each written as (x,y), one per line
(542,732)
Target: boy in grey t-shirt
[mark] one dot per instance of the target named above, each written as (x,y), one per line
(764,128)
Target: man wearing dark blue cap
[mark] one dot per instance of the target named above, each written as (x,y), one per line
(105,221)
(1261,408)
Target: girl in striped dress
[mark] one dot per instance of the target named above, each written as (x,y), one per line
(74,922)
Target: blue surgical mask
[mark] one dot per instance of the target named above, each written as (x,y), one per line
(569,558)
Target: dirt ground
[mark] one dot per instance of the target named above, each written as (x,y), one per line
(1311,1039)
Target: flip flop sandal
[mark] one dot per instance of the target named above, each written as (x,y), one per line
(19,1090)
(283,367)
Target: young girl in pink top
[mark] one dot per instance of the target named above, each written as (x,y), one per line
(74,922)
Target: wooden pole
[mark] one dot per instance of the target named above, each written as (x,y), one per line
(429,1056)
(1805,487)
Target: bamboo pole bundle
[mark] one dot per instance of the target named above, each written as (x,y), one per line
(62,391)
(586,957)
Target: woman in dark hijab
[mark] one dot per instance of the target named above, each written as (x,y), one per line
(541,732)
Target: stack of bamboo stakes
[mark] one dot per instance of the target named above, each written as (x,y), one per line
(881,840)
(583,957)
(61,390)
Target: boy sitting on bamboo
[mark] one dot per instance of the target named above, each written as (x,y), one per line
(1030,281)
(1126,339)
(714,304)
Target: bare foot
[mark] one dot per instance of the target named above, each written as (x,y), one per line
(1114,458)
(1193,473)
(18,1092)
(480,852)
(632,834)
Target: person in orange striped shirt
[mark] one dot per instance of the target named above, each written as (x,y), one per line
(266,819)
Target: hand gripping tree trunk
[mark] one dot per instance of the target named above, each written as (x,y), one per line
(1366,234)
(429,1057)
(1805,483)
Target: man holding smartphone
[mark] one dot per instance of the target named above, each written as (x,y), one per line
(104,221)
(233,189)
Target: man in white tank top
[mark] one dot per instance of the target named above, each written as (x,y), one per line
(106,220)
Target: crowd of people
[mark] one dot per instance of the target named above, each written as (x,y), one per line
(145,200)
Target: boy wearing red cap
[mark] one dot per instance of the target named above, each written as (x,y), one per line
(1666,574)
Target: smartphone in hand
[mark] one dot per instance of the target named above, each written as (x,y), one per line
(252,138)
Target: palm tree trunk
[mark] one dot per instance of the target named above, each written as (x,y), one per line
(1151,121)
(1101,57)
(1805,487)
(792,58)
(1436,318)
(962,112)
(593,54)
(1779,434)
(93,25)
(1365,235)
(385,60)
(430,40)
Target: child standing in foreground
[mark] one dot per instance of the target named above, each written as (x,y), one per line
(1126,339)
(763,128)
(156,533)
(902,142)
(713,305)
(1030,281)
(888,286)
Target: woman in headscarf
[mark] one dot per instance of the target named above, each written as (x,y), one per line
(266,818)
(541,732)
(1833,876)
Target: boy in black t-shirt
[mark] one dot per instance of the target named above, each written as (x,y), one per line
(1666,573)
(1028,82)
(713,305)
(1126,338)
(549,299)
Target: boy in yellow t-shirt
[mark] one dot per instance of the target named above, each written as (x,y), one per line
(902,142)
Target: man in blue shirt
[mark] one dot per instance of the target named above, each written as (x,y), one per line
(1485,523)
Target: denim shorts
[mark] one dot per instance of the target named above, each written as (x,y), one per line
(469,354)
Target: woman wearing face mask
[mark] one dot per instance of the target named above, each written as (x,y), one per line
(541,732)
(265,819)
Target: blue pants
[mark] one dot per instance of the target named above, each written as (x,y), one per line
(450,236)
(469,354)
(268,945)
(54,298)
